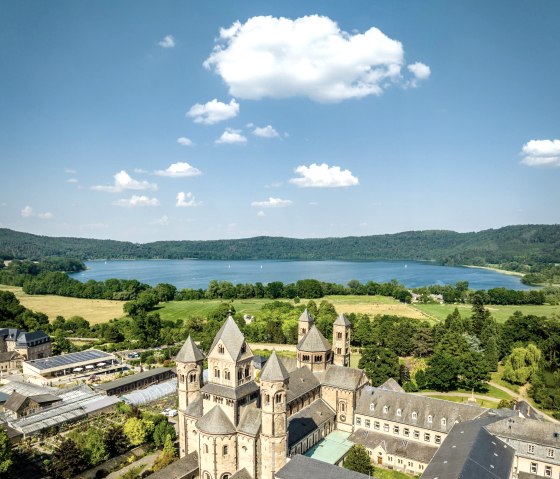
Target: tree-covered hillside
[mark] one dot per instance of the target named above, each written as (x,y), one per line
(512,246)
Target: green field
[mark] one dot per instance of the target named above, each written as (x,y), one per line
(500,313)
(480,402)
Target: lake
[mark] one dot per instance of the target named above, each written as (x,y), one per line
(198,273)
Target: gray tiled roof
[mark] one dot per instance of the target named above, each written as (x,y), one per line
(529,430)
(289,363)
(230,393)
(306,317)
(189,353)
(274,370)
(25,338)
(423,406)
(3,397)
(302,380)
(242,474)
(392,385)
(15,401)
(215,421)
(307,420)
(413,450)
(314,342)
(302,467)
(178,469)
(9,356)
(133,378)
(251,420)
(471,452)
(342,320)
(231,336)
(195,408)
(342,377)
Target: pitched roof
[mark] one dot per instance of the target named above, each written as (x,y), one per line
(251,420)
(242,474)
(528,430)
(26,338)
(215,421)
(231,336)
(274,370)
(342,320)
(229,392)
(195,408)
(189,353)
(10,356)
(306,317)
(15,402)
(307,420)
(179,469)
(302,467)
(302,380)
(398,446)
(342,377)
(392,385)
(133,378)
(314,342)
(374,401)
(471,452)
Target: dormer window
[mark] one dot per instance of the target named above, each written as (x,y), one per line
(221,349)
(443,421)
(385,409)
(414,415)
(398,412)
(429,419)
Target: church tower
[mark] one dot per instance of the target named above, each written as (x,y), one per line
(274,434)
(305,322)
(341,341)
(189,382)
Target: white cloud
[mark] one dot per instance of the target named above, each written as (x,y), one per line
(136,200)
(541,153)
(213,112)
(272,203)
(323,176)
(309,56)
(71,180)
(123,181)
(232,137)
(167,42)
(27,212)
(179,170)
(420,70)
(266,132)
(184,141)
(70,171)
(261,213)
(163,221)
(185,200)
(140,171)
(45,216)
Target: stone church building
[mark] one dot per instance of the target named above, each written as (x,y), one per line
(238,428)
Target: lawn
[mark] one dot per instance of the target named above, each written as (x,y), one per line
(497,378)
(93,310)
(382,473)
(480,402)
(500,313)
(181,309)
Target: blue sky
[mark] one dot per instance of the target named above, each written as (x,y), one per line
(143,121)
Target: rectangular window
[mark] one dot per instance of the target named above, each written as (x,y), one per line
(426,437)
(358,421)
(437,439)
(376,425)
(416,434)
(386,427)
(368,423)
(410,464)
(548,471)
(390,458)
(534,468)
(396,430)
(550,453)
(531,448)
(406,432)
(399,461)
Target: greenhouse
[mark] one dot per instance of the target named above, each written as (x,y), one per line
(151,393)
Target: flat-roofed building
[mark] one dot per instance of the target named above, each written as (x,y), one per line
(89,362)
(136,381)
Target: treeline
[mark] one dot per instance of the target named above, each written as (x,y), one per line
(516,246)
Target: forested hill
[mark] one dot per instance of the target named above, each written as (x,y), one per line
(527,244)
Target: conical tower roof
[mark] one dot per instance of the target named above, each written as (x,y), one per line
(215,421)
(306,317)
(314,342)
(342,320)
(274,370)
(231,336)
(189,353)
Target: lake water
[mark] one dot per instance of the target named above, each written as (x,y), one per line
(198,273)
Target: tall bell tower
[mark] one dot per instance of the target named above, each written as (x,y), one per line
(341,341)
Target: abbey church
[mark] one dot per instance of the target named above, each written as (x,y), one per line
(240,429)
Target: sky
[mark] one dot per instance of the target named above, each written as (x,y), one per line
(182,120)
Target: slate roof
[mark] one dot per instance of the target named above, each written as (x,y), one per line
(290,364)
(215,421)
(9,356)
(25,338)
(301,381)
(3,397)
(231,336)
(413,450)
(149,373)
(306,317)
(242,474)
(16,400)
(195,408)
(251,420)
(314,342)
(301,467)
(342,320)
(189,353)
(307,420)
(471,452)
(392,385)
(423,406)
(342,377)
(230,393)
(178,469)
(274,370)
(529,430)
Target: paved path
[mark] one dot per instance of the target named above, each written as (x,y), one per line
(461,395)
(146,460)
